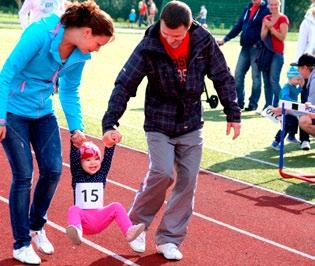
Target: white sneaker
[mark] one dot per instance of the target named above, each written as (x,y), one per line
(134,231)
(75,234)
(138,244)
(305,145)
(170,251)
(26,255)
(41,242)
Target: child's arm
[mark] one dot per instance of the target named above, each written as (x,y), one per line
(107,161)
(74,159)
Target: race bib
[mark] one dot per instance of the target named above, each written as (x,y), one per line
(89,195)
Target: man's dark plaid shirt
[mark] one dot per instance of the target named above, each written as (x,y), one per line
(170,107)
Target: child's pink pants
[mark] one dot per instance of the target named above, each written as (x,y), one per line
(94,221)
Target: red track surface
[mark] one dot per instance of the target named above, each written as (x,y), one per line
(233,223)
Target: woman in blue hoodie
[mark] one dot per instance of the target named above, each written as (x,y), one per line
(50,49)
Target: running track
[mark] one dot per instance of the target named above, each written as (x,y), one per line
(233,224)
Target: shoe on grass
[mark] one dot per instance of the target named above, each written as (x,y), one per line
(134,231)
(26,255)
(292,139)
(74,234)
(305,145)
(138,244)
(275,145)
(169,251)
(41,242)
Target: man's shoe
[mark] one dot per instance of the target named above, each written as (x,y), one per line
(41,242)
(275,145)
(250,108)
(292,139)
(74,234)
(138,244)
(26,255)
(170,251)
(134,231)
(305,145)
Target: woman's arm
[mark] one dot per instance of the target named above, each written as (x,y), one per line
(282,33)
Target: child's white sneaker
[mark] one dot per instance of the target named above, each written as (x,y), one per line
(26,255)
(75,234)
(134,231)
(138,244)
(41,242)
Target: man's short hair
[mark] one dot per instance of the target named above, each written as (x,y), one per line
(175,14)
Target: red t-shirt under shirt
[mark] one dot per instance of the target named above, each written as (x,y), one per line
(179,56)
(252,11)
(278,45)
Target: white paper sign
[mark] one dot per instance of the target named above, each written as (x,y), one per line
(89,195)
(267,112)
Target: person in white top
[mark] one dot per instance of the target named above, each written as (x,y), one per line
(33,10)
(306,40)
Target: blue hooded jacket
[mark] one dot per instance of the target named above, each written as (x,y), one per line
(28,77)
(250,28)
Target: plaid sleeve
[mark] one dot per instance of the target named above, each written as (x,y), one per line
(223,82)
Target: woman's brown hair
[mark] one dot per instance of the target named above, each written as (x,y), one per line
(88,14)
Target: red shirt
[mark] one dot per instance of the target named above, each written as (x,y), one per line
(179,56)
(252,11)
(278,45)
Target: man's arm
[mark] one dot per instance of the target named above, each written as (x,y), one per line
(223,82)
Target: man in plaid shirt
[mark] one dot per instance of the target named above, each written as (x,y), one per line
(175,55)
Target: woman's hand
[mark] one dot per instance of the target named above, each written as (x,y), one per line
(78,137)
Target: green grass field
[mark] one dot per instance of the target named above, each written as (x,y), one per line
(248,158)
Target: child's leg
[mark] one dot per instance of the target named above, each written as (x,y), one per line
(292,125)
(74,216)
(102,218)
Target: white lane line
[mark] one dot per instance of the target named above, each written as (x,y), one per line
(87,242)
(260,238)
(231,227)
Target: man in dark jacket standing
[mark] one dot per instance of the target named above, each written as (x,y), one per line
(175,55)
(249,24)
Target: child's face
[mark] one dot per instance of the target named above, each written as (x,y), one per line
(91,165)
(296,81)
(304,71)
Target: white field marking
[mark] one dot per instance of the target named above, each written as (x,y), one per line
(292,250)
(87,242)
(223,176)
(231,227)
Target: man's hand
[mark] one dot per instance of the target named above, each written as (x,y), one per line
(78,137)
(236,127)
(3,131)
(220,42)
(111,138)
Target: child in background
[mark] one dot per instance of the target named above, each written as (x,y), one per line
(132,17)
(290,92)
(88,216)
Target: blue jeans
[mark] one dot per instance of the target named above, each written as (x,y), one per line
(247,59)
(272,79)
(43,133)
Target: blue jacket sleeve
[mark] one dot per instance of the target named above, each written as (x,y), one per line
(237,28)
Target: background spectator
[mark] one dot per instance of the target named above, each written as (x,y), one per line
(249,24)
